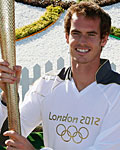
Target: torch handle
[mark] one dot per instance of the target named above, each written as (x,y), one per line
(7,29)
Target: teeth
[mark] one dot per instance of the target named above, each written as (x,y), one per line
(82,50)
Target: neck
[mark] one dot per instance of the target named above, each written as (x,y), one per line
(84,74)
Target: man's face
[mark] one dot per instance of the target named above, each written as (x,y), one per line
(84,39)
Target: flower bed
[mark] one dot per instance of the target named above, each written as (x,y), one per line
(50,16)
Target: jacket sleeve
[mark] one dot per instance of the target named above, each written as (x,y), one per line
(30,113)
(3,114)
(30,109)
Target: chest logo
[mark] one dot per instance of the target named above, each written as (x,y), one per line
(72,133)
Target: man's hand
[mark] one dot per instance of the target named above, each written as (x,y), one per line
(8,75)
(17,142)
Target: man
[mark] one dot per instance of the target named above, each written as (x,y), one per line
(80,106)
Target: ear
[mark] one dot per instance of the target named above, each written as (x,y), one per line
(67,37)
(104,40)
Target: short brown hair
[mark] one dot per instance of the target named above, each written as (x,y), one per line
(91,10)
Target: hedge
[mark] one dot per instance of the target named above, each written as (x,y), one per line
(51,14)
(115,31)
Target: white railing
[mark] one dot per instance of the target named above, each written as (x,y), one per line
(26,81)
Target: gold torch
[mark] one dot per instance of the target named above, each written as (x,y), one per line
(7,29)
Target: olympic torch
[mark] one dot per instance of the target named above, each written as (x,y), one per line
(7,29)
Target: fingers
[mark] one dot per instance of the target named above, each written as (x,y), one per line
(10,148)
(3,62)
(14,135)
(5,74)
(5,68)
(10,143)
(7,78)
(8,75)
(18,70)
(17,142)
(13,145)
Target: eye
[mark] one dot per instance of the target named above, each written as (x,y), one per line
(75,33)
(91,34)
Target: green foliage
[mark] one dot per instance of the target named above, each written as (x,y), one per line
(115,31)
(2,148)
(51,14)
(36,139)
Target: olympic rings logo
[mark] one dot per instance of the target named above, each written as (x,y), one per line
(77,135)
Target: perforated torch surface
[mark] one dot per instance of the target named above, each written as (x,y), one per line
(7,31)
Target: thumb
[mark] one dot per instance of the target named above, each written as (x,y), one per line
(18,70)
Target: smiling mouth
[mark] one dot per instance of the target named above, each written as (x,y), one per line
(82,50)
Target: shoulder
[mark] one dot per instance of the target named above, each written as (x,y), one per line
(43,84)
(112,78)
(48,82)
(115,77)
(111,88)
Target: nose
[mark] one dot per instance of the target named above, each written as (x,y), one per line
(82,40)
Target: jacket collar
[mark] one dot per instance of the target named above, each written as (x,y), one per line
(104,71)
(103,74)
